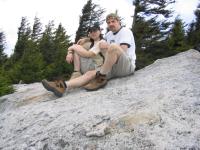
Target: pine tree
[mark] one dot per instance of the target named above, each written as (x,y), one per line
(36,31)
(177,38)
(150,28)
(61,44)
(150,21)
(194,30)
(3,56)
(91,13)
(24,34)
(46,44)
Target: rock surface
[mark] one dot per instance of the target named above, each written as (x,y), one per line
(156,108)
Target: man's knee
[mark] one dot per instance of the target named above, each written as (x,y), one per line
(114,49)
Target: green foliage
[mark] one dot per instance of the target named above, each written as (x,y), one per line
(29,69)
(177,38)
(5,84)
(46,44)
(37,30)
(194,29)
(24,32)
(3,56)
(150,28)
(59,67)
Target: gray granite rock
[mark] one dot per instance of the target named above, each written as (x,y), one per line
(156,108)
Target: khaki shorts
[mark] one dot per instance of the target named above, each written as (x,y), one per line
(87,64)
(122,68)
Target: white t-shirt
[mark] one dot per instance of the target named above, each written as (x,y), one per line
(123,36)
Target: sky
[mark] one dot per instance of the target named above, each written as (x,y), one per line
(67,13)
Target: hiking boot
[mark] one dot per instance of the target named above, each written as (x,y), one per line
(99,82)
(75,74)
(58,87)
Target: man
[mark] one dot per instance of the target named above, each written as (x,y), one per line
(120,54)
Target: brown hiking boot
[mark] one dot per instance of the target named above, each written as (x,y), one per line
(75,74)
(99,82)
(58,87)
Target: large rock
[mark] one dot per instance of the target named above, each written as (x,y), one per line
(156,108)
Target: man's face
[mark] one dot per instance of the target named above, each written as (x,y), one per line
(113,24)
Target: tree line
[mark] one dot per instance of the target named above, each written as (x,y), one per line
(40,53)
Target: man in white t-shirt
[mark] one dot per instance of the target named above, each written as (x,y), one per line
(120,53)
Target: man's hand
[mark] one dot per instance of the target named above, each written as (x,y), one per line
(103,45)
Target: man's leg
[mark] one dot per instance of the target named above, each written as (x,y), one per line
(58,87)
(112,55)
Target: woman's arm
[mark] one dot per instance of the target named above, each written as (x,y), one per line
(81,51)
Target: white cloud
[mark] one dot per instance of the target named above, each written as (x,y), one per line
(186,9)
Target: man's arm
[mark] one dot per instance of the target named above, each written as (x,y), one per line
(124,47)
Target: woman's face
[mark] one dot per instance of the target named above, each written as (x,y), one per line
(95,35)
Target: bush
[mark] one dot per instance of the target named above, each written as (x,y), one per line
(5,86)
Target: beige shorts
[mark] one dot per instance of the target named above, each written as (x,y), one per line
(122,68)
(87,64)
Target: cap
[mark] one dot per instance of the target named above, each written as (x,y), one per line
(94,27)
(113,16)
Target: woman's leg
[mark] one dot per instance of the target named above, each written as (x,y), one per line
(76,62)
(82,80)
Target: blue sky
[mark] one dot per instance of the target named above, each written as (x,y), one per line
(12,10)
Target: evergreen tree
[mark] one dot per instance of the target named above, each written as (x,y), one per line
(150,23)
(194,30)
(91,13)
(3,56)
(24,34)
(177,39)
(61,43)
(5,83)
(150,28)
(46,44)
(36,31)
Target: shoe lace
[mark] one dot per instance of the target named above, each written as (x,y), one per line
(60,84)
(100,77)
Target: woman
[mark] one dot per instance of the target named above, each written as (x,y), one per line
(85,61)
(84,55)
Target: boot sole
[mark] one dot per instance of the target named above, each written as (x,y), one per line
(49,88)
(95,88)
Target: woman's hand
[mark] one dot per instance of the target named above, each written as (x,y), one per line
(69,58)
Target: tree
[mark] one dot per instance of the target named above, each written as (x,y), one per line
(36,31)
(177,38)
(5,84)
(3,56)
(24,34)
(194,30)
(46,44)
(61,43)
(150,28)
(150,23)
(91,13)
